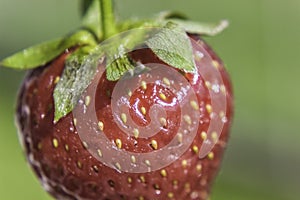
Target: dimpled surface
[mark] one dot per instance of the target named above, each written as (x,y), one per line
(67,170)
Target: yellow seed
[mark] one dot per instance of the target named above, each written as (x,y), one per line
(184,163)
(180,137)
(124,118)
(198,167)
(129,93)
(75,121)
(108,93)
(143,110)
(163,121)
(136,133)
(166,81)
(187,119)
(144,85)
(156,186)
(67,147)
(85,145)
(203,135)
(208,84)
(118,166)
(163,96)
(154,144)
(101,125)
(170,195)
(129,180)
(141,198)
(118,143)
(147,162)
(175,182)
(39,146)
(194,105)
(55,143)
(211,155)
(208,108)
(187,187)
(222,114)
(87,100)
(163,173)
(195,149)
(79,164)
(96,169)
(99,153)
(214,136)
(223,89)
(142,178)
(133,159)
(56,79)
(215,64)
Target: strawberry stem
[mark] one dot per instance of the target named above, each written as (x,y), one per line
(107,18)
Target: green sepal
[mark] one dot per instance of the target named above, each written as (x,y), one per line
(81,37)
(117,60)
(173,46)
(74,80)
(41,54)
(118,67)
(163,18)
(209,29)
(168,14)
(34,56)
(134,23)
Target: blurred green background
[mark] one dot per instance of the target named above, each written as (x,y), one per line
(261,50)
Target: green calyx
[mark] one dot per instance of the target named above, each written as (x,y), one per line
(99,24)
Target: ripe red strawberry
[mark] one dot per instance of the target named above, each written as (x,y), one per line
(68,170)
(151,124)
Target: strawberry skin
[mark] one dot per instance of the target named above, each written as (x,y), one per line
(68,171)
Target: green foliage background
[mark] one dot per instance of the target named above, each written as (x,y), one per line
(261,50)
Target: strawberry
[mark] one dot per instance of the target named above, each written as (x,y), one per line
(166,127)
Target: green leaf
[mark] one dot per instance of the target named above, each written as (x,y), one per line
(92,17)
(74,80)
(41,54)
(209,29)
(173,46)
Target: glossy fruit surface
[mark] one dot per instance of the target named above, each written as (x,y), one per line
(66,168)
